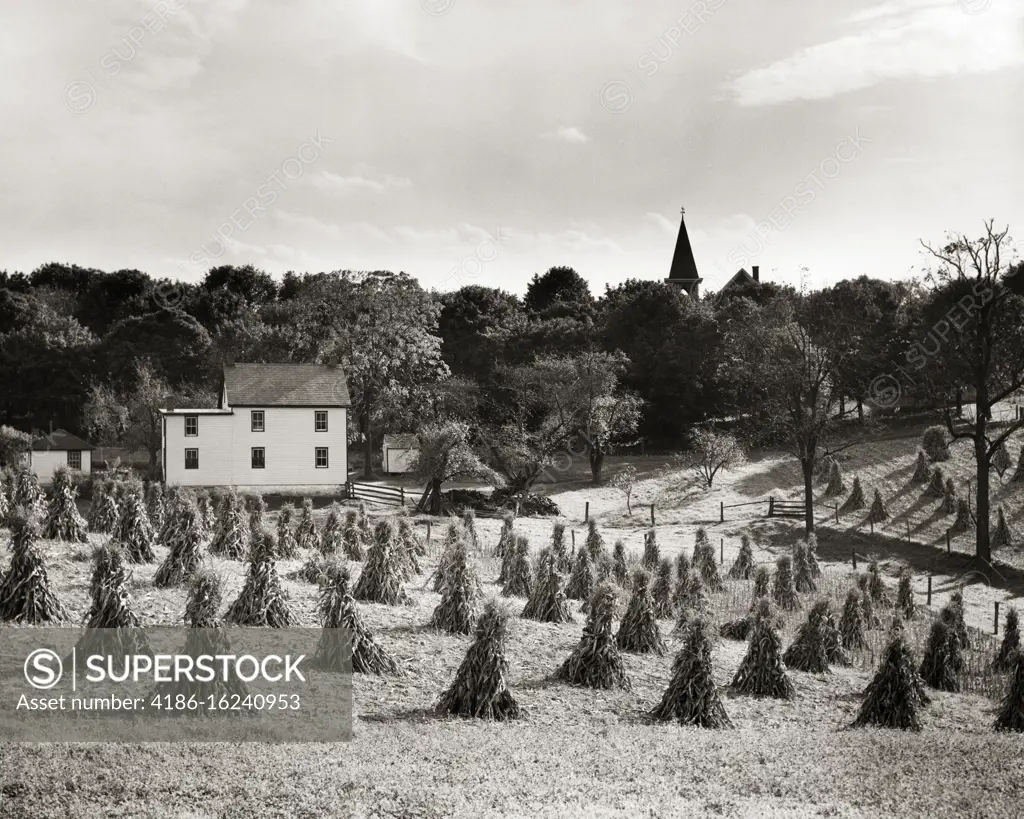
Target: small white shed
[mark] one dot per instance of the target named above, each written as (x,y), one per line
(400,453)
(59,448)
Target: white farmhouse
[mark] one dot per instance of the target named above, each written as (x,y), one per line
(59,448)
(275,425)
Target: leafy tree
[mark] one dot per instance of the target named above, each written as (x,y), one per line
(558,286)
(474,324)
(789,378)
(712,451)
(625,480)
(674,351)
(14,444)
(381,326)
(113,297)
(978,332)
(445,454)
(132,417)
(177,346)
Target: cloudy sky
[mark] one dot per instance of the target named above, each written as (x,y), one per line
(492,140)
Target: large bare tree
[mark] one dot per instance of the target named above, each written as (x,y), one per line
(976,328)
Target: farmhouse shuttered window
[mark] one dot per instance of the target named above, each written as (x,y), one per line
(191,459)
(191,426)
(320,421)
(321,457)
(259,460)
(74,459)
(257,420)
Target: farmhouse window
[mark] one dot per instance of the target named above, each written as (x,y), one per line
(191,426)
(321,457)
(257,420)
(259,459)
(191,459)
(320,420)
(74,459)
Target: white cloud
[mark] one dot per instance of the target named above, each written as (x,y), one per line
(568,134)
(347,185)
(923,39)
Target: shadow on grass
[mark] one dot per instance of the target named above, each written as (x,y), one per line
(922,558)
(421,715)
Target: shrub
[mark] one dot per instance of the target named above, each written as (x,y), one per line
(332,533)
(691,697)
(595,544)
(638,630)
(596,661)
(337,610)
(560,549)
(352,542)
(953,613)
(683,569)
(480,688)
(934,444)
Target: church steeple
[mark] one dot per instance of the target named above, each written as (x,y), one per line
(683,272)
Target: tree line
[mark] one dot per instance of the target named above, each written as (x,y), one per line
(558,370)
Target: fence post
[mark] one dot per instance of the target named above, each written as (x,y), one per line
(428,531)
(929,590)
(573,539)
(853,556)
(721,511)
(872,526)
(837,512)
(721,551)
(995,622)
(908,530)
(771,505)
(652,514)
(403,497)
(586,513)
(947,542)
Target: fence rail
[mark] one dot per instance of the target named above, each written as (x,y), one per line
(375,493)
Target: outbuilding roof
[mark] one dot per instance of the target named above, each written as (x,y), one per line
(401,441)
(58,441)
(285,385)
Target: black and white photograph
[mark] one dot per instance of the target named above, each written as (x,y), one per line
(454,408)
